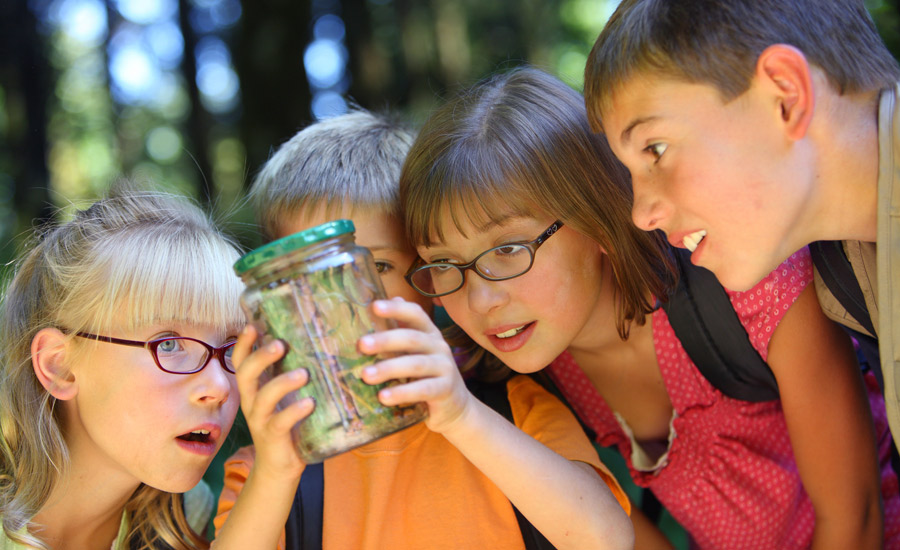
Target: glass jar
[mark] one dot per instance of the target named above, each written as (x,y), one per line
(313,291)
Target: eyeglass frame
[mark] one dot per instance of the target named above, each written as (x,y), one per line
(152,345)
(531,246)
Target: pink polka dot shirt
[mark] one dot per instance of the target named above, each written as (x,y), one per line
(729,475)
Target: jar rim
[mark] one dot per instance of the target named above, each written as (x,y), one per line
(292,242)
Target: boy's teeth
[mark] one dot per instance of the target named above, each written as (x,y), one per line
(691,241)
(510,332)
(200,432)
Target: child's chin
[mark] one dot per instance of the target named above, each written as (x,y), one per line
(184,482)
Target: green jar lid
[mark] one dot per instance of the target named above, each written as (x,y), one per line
(292,242)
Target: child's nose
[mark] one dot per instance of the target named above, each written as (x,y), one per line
(648,211)
(212,385)
(485,295)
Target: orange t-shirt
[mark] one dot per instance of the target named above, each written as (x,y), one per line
(413,489)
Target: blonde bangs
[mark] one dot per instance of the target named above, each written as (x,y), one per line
(168,274)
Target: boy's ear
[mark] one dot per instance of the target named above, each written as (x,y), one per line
(785,70)
(48,351)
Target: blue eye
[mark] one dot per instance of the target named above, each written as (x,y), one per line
(168,346)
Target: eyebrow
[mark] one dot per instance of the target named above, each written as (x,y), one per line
(499,221)
(625,137)
(380,247)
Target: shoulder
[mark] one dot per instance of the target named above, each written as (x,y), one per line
(241,460)
(541,414)
(762,308)
(524,390)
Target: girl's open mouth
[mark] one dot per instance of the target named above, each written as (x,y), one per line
(512,339)
(200,436)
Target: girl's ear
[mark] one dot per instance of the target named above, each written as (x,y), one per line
(784,70)
(437,302)
(48,351)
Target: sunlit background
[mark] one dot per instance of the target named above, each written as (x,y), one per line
(192,95)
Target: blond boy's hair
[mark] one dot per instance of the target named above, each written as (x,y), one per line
(349,160)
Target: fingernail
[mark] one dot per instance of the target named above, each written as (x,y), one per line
(367,341)
(384,394)
(369,371)
(274,346)
(298,374)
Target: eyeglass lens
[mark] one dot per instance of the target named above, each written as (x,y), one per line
(502,262)
(185,355)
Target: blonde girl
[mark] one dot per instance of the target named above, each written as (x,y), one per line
(116,384)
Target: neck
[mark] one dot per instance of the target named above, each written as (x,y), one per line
(600,338)
(79,520)
(846,204)
(86,504)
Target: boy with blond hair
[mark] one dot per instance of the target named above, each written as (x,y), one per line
(466,477)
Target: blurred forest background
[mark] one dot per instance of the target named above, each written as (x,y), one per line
(192,95)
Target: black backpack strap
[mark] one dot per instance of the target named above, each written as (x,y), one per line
(495,396)
(705,322)
(837,273)
(303,530)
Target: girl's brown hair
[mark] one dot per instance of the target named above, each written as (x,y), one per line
(520,143)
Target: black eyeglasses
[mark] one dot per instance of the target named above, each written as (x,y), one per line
(500,263)
(176,354)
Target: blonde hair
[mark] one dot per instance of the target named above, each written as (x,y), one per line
(132,259)
(352,159)
(519,143)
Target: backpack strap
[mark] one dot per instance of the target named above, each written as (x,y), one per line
(704,320)
(303,530)
(495,396)
(833,266)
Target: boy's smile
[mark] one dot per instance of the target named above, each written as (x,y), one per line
(719,178)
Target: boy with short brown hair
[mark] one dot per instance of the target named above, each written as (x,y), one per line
(753,128)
